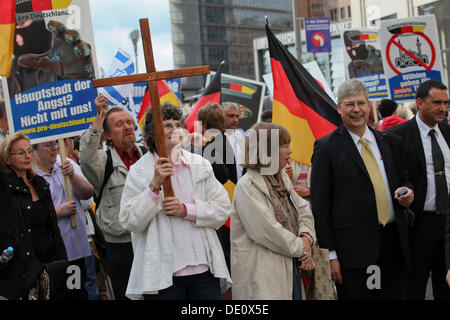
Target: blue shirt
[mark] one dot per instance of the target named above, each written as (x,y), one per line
(75,239)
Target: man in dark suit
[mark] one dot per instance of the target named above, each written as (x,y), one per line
(427,140)
(357,173)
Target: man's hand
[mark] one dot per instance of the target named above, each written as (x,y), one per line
(173,207)
(406,199)
(163,169)
(68,58)
(67,209)
(67,169)
(336,274)
(101,103)
(3,298)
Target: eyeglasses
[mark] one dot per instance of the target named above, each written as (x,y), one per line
(353,104)
(50,145)
(22,153)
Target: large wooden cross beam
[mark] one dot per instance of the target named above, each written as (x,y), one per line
(151,77)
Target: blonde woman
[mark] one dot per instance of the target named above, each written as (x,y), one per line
(272,227)
(28,225)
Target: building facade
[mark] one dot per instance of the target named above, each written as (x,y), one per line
(205,32)
(331,64)
(345,14)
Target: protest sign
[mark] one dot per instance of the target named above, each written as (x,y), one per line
(247,93)
(49,92)
(363,61)
(411,54)
(314,69)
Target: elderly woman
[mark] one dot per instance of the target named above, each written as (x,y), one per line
(272,227)
(177,254)
(29,224)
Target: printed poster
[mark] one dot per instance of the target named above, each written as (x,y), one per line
(247,93)
(411,54)
(49,92)
(363,60)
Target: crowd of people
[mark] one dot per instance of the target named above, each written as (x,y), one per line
(370,219)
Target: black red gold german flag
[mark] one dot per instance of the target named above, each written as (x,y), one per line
(299,102)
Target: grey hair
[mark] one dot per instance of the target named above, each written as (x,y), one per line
(350,88)
(227,105)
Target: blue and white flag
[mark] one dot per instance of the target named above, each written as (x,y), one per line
(121,65)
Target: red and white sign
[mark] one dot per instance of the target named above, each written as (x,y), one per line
(318,39)
(411,54)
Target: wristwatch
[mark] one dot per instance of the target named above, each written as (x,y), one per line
(154,189)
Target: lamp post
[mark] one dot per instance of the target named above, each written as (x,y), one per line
(134,37)
(297,31)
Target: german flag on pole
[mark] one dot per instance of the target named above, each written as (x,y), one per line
(7,25)
(211,94)
(299,102)
(165,95)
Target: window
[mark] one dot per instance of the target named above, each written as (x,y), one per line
(349,12)
(342,12)
(333,14)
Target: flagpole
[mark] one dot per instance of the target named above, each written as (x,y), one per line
(297,31)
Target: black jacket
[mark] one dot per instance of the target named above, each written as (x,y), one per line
(447,237)
(219,153)
(410,134)
(20,273)
(343,199)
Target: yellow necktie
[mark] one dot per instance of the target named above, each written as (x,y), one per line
(381,194)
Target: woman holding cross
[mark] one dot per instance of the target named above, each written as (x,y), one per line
(177,254)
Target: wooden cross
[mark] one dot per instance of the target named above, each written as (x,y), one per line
(152,76)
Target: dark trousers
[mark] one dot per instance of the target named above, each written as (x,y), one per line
(119,258)
(393,273)
(428,255)
(203,286)
(223,233)
(297,280)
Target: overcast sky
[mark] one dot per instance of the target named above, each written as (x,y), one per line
(113,20)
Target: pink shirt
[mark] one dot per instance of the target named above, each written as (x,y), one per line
(181,171)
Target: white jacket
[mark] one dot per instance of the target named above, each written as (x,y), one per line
(150,227)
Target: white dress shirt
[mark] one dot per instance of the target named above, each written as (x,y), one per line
(424,129)
(237,139)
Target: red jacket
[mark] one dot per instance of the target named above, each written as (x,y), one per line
(390,122)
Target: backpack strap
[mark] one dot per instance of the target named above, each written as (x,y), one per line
(143,149)
(108,172)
